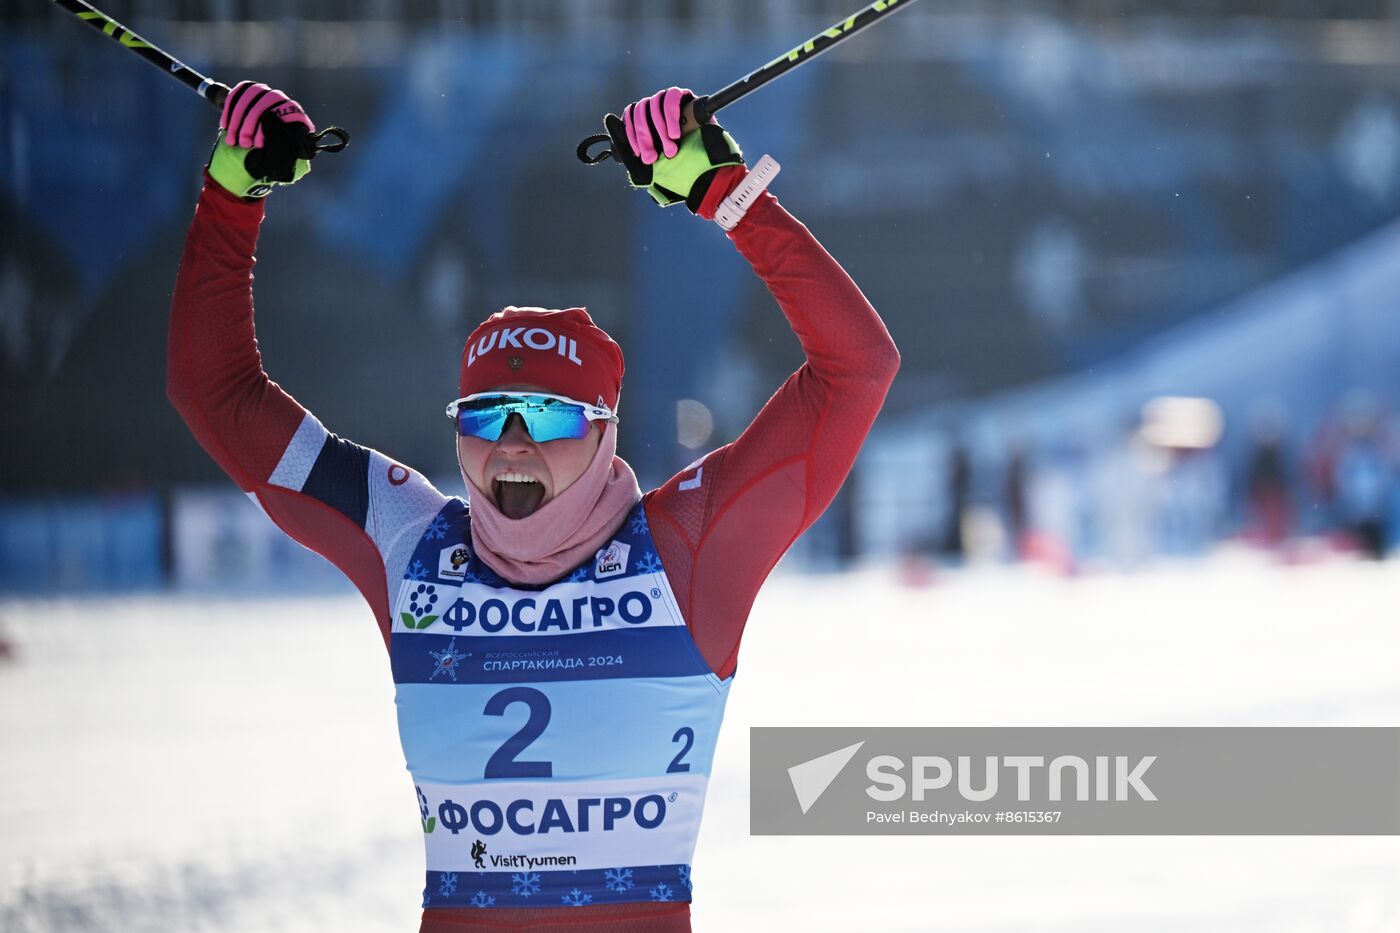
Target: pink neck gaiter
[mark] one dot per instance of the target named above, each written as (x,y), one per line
(560,534)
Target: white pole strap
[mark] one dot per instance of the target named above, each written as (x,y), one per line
(733,208)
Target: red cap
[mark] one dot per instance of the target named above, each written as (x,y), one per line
(563,352)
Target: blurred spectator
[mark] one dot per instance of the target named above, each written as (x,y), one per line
(1192,501)
(1320,468)
(959,498)
(1364,476)
(1055,497)
(1014,498)
(1268,502)
(1122,485)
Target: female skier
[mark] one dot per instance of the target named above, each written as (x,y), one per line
(561,644)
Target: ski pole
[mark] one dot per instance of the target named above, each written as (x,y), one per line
(701,109)
(210,90)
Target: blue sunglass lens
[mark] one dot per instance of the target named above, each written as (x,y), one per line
(545,419)
(552,424)
(485,423)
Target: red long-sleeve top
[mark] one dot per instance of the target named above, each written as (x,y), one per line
(719,526)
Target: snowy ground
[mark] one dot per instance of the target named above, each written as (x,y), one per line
(168,763)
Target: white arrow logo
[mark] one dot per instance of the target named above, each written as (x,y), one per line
(811,778)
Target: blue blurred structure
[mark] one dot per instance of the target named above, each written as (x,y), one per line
(81,545)
(86,185)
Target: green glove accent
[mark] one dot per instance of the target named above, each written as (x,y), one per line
(685,176)
(700,154)
(227,167)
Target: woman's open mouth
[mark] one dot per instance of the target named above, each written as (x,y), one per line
(517,494)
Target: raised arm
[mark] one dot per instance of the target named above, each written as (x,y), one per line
(723,524)
(326,492)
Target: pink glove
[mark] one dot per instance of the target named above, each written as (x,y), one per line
(244,108)
(656,119)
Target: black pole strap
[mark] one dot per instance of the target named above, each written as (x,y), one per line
(588,143)
(318,143)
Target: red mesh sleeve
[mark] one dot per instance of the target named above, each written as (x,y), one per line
(720,528)
(214,374)
(240,417)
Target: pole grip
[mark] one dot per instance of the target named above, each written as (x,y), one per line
(695,112)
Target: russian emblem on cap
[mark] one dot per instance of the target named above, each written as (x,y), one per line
(515,362)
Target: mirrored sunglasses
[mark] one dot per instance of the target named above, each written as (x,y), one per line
(546,417)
